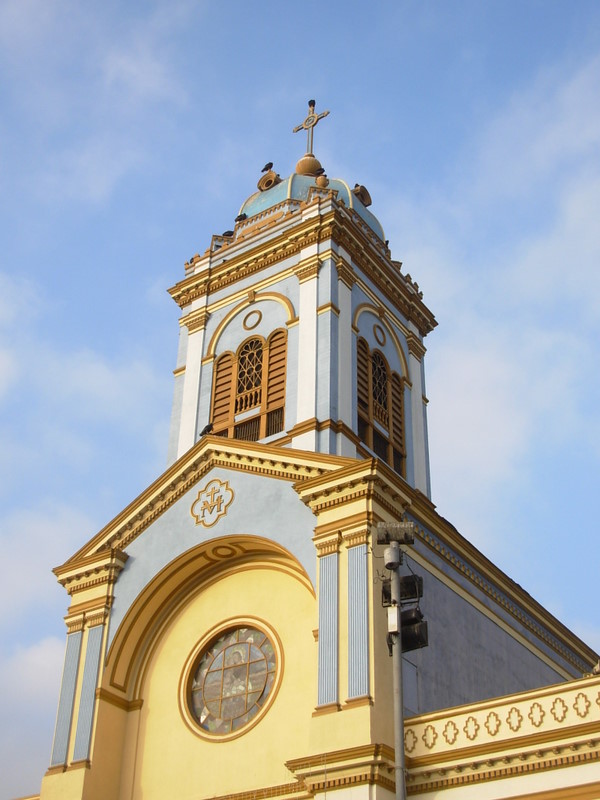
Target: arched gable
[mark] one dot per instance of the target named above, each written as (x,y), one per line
(171,589)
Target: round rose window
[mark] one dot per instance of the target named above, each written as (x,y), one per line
(232,681)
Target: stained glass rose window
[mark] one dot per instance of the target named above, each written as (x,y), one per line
(232,680)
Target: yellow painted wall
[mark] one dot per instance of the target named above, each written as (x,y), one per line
(173,760)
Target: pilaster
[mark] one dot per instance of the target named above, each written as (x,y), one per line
(418,402)
(307,273)
(195,322)
(90,582)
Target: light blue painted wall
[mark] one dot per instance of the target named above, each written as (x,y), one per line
(327,367)
(261,507)
(490,661)
(274,315)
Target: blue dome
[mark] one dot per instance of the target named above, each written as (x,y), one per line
(296,187)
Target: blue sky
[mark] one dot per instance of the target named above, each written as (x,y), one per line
(130,132)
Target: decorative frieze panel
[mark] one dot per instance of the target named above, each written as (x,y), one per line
(548,712)
(558,726)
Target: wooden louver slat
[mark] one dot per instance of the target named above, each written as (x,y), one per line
(222,390)
(363,375)
(276,370)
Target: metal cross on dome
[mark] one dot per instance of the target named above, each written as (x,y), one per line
(308,125)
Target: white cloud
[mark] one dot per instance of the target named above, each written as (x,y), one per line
(88,114)
(561,265)
(551,126)
(39,538)
(18,296)
(89,386)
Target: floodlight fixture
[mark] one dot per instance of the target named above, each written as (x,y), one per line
(401,532)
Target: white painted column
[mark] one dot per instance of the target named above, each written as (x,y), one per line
(419,435)
(346,346)
(196,324)
(307,272)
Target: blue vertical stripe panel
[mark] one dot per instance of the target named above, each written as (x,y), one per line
(358,622)
(88,694)
(66,700)
(328,629)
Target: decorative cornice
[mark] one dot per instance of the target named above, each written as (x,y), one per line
(93,570)
(398,289)
(415,346)
(96,618)
(195,320)
(327,545)
(345,273)
(347,230)
(287,243)
(356,538)
(75,624)
(503,767)
(308,269)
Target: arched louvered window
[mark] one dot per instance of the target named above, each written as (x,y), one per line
(380,401)
(249,389)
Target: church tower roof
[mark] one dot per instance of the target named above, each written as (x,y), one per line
(309,174)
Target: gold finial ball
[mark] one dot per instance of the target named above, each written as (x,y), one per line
(308,165)
(322,181)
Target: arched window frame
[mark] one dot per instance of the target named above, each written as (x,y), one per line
(380,405)
(248,396)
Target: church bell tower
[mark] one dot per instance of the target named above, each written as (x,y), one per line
(299,330)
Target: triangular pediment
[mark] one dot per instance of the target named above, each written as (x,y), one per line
(277,463)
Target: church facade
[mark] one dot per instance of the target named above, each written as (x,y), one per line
(225,634)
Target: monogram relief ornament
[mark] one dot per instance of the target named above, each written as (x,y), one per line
(212,503)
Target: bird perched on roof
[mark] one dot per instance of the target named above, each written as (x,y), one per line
(267,167)
(206,429)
